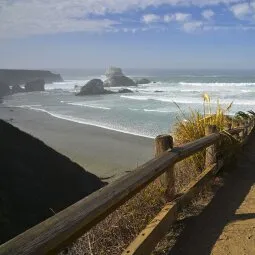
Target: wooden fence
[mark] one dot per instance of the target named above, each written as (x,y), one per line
(60,230)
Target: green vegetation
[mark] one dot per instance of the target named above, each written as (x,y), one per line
(191,126)
(194,124)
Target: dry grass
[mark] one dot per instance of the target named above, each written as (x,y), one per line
(191,126)
(117,231)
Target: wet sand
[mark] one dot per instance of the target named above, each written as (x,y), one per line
(106,153)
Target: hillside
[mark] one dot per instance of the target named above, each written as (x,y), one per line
(14,77)
(36,181)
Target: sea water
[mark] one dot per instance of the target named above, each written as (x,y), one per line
(151,109)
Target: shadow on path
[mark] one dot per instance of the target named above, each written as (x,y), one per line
(202,232)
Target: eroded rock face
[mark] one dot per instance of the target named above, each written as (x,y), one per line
(113,71)
(17,89)
(36,85)
(115,78)
(4,89)
(94,87)
(13,77)
(143,81)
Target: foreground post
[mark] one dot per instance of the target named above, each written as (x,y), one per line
(242,134)
(211,151)
(162,144)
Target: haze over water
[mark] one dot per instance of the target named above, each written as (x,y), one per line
(151,109)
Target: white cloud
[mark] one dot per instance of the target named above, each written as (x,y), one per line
(169,18)
(192,26)
(179,17)
(150,18)
(242,10)
(207,14)
(227,28)
(23,18)
(28,17)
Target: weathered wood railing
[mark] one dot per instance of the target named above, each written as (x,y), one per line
(61,229)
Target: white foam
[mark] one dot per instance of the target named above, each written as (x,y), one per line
(246,91)
(32,105)
(143,98)
(68,85)
(157,110)
(89,106)
(133,109)
(189,100)
(218,84)
(84,122)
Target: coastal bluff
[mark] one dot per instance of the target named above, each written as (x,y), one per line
(19,77)
(36,181)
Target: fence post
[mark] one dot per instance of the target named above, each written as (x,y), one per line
(243,133)
(162,144)
(211,151)
(237,125)
(228,126)
(247,127)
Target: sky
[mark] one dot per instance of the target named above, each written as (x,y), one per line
(174,34)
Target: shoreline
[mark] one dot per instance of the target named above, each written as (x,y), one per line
(72,119)
(109,154)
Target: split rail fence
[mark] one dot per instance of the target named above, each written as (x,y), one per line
(63,228)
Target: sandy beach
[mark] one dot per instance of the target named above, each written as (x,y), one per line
(106,153)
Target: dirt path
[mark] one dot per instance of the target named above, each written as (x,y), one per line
(227,225)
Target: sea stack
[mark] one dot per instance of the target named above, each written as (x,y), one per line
(116,78)
(17,89)
(36,85)
(143,81)
(94,87)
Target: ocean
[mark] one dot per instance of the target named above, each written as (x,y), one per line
(151,109)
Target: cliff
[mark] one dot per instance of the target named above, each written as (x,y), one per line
(36,181)
(4,89)
(17,77)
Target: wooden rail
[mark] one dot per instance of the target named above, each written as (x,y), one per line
(61,229)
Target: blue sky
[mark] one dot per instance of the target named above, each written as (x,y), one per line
(179,34)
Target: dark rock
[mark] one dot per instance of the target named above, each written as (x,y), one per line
(119,81)
(115,78)
(17,89)
(36,85)
(4,89)
(125,91)
(94,87)
(158,91)
(14,77)
(36,180)
(143,81)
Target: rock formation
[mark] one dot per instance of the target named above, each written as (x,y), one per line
(125,91)
(94,87)
(17,89)
(4,89)
(143,81)
(14,77)
(36,85)
(115,78)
